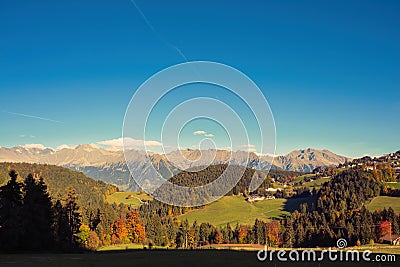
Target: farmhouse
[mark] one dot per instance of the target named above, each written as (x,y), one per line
(390,239)
(369,168)
(253,198)
(270,189)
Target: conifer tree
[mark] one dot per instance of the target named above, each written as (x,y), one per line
(11,200)
(37,215)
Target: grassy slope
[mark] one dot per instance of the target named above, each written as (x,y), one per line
(384,202)
(394,185)
(120,197)
(302,177)
(317,183)
(235,209)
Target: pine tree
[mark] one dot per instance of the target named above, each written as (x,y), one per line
(391,217)
(94,220)
(37,215)
(259,232)
(61,229)
(73,216)
(11,200)
(288,234)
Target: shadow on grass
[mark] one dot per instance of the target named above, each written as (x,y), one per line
(293,204)
(164,258)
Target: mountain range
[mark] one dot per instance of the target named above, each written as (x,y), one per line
(110,166)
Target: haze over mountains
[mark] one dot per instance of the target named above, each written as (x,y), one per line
(110,166)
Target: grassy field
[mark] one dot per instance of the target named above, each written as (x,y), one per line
(384,202)
(135,200)
(395,185)
(302,177)
(381,248)
(316,183)
(166,258)
(128,247)
(235,209)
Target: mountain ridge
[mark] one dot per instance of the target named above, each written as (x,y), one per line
(110,166)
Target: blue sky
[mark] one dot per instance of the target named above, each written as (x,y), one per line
(330,70)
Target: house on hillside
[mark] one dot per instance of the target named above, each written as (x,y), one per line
(253,198)
(390,239)
(272,190)
(369,168)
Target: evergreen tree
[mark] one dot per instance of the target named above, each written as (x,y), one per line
(73,216)
(61,229)
(37,215)
(11,201)
(288,234)
(391,217)
(259,232)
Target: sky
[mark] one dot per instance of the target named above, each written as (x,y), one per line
(330,70)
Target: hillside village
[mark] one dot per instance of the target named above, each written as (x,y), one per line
(390,161)
(385,169)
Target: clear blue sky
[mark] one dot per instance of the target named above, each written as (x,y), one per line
(329,69)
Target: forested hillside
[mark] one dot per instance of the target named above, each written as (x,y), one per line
(59,179)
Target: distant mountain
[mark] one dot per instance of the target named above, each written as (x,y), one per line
(27,153)
(308,159)
(186,159)
(110,166)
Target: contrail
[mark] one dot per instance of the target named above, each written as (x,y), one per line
(157,34)
(31,116)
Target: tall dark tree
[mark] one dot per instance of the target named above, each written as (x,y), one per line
(37,215)
(391,217)
(288,234)
(71,209)
(94,219)
(61,229)
(11,201)
(156,231)
(259,232)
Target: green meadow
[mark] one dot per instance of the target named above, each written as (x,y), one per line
(135,199)
(384,202)
(235,209)
(392,184)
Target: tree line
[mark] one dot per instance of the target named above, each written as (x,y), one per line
(30,220)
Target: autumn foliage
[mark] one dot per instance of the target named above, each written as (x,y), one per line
(384,228)
(128,229)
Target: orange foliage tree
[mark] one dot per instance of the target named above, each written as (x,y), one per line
(273,233)
(242,234)
(119,230)
(135,227)
(384,228)
(128,228)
